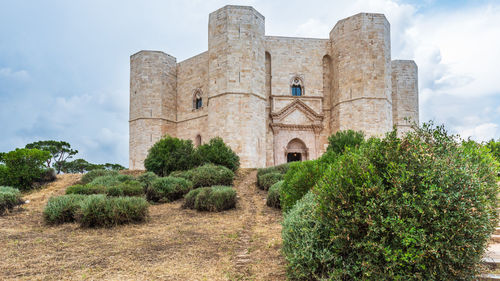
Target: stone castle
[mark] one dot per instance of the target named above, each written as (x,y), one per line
(272,99)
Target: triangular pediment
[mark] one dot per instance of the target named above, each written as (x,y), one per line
(297,112)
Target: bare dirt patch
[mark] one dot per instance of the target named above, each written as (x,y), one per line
(174,244)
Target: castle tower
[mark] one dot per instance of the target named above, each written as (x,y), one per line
(153,77)
(361,54)
(237,98)
(404,94)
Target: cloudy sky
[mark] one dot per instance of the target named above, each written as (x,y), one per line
(64,65)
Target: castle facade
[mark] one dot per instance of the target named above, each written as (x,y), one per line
(272,99)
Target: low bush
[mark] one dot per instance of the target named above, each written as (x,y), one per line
(102,211)
(341,140)
(306,244)
(63,208)
(265,181)
(212,199)
(168,189)
(9,198)
(48,175)
(210,175)
(90,176)
(146,179)
(182,174)
(23,167)
(190,198)
(129,188)
(3,173)
(85,189)
(170,154)
(421,207)
(299,179)
(273,196)
(110,180)
(110,186)
(282,169)
(218,153)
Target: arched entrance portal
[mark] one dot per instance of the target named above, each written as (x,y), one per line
(296,150)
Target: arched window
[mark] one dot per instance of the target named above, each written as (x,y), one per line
(197,100)
(297,87)
(198,140)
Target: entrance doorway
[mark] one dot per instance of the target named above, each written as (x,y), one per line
(296,150)
(292,157)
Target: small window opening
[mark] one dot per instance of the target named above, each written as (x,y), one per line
(197,100)
(297,87)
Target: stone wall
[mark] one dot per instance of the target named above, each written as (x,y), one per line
(404,94)
(237,95)
(153,106)
(361,53)
(244,79)
(192,75)
(303,58)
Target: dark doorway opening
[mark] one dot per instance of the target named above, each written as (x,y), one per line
(292,157)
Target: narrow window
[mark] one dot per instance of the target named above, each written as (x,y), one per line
(198,140)
(296,91)
(297,87)
(197,99)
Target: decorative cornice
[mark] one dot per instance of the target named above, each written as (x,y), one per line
(152,118)
(362,98)
(164,119)
(234,93)
(193,118)
(297,127)
(297,104)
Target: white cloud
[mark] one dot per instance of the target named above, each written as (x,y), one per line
(481,132)
(9,73)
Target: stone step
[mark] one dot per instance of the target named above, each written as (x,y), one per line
(497,231)
(495,238)
(491,263)
(489,277)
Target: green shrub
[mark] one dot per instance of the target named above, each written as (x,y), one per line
(3,173)
(306,244)
(494,147)
(218,153)
(63,208)
(130,188)
(168,189)
(273,196)
(85,189)
(146,179)
(110,185)
(102,211)
(9,198)
(23,167)
(339,141)
(210,175)
(282,169)
(265,181)
(115,191)
(170,154)
(212,199)
(418,208)
(190,198)
(110,180)
(90,176)
(182,174)
(299,179)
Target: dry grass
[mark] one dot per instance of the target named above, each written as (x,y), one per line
(174,244)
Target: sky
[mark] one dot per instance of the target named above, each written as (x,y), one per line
(64,65)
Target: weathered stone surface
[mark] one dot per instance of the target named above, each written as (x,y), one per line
(245,81)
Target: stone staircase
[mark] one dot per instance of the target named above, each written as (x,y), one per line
(492,258)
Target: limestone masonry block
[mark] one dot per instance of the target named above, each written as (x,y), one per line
(245,81)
